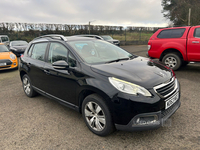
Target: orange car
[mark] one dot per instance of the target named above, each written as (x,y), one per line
(8,60)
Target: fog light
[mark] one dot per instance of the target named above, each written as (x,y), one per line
(147,120)
(14,63)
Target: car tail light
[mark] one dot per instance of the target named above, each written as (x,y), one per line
(21,55)
(149,47)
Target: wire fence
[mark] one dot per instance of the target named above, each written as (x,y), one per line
(28,31)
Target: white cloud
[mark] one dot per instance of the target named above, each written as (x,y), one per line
(104,12)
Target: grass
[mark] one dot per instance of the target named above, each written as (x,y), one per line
(133,36)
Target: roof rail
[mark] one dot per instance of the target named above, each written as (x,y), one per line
(53,36)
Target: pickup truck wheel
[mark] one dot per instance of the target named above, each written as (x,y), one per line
(172,60)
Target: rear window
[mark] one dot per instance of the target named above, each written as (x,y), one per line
(171,33)
(4,39)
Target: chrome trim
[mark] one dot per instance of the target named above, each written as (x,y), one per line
(165,84)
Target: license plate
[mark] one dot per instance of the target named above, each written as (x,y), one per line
(2,64)
(171,101)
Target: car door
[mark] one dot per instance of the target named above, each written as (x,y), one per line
(35,63)
(193,44)
(61,84)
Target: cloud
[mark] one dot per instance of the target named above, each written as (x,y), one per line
(105,12)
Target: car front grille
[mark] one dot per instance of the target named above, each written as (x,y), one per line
(166,89)
(21,50)
(7,61)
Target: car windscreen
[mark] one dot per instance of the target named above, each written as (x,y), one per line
(98,51)
(19,43)
(107,38)
(3,48)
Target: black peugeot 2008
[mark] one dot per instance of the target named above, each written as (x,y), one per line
(112,88)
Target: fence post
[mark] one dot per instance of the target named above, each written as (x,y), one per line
(125,36)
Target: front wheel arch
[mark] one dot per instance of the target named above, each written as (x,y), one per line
(88,91)
(93,117)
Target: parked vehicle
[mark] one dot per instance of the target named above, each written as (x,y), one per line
(90,36)
(176,46)
(109,86)
(5,40)
(18,47)
(8,60)
(110,39)
(102,37)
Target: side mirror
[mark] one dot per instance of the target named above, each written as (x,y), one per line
(61,64)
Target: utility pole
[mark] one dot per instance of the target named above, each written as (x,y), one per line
(89,25)
(189,16)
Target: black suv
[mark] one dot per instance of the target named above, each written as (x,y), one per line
(112,88)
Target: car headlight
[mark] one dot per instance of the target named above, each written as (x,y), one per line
(128,87)
(12,56)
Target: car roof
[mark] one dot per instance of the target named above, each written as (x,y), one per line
(4,35)
(86,35)
(53,37)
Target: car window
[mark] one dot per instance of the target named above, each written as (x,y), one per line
(71,60)
(38,51)
(4,39)
(171,33)
(30,50)
(107,38)
(57,52)
(19,43)
(197,33)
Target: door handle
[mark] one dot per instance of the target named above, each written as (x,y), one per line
(47,72)
(195,42)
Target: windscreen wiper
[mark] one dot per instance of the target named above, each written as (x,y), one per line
(117,60)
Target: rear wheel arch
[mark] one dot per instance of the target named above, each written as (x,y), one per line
(174,51)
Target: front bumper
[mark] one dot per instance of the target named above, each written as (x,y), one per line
(161,116)
(11,64)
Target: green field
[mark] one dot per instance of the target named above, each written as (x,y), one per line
(133,36)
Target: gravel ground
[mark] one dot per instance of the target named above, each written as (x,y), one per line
(40,123)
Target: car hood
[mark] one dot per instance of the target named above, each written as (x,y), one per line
(5,55)
(141,71)
(113,40)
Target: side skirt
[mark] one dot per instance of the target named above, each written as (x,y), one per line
(62,102)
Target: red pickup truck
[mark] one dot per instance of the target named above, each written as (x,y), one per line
(175,46)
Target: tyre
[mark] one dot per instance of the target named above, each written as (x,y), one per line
(172,60)
(27,86)
(97,115)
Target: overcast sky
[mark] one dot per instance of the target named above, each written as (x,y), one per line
(100,12)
